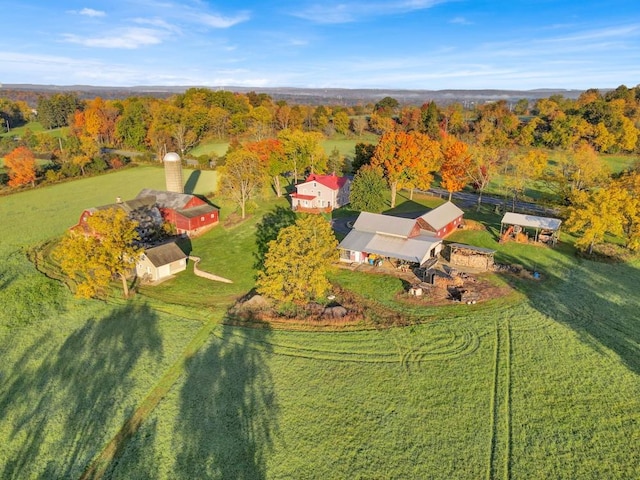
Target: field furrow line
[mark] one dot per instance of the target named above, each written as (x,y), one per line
(499,465)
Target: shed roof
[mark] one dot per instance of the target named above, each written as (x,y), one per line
(164,254)
(442,215)
(511,218)
(415,249)
(385,224)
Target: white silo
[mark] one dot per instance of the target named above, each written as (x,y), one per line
(173,172)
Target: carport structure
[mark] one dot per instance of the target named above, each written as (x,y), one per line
(545,229)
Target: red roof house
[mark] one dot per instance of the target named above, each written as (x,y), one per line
(321,193)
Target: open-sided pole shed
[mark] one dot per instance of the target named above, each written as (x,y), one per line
(548,226)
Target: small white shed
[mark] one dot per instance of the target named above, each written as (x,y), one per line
(161,262)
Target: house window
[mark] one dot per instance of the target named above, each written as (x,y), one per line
(212,215)
(315,184)
(202,219)
(319,193)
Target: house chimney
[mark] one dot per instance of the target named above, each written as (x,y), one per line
(118,200)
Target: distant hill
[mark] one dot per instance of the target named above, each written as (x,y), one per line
(311,96)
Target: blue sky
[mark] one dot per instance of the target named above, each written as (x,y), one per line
(412,44)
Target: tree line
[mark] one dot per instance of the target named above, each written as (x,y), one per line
(460,146)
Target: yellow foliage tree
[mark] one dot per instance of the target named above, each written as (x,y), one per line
(593,214)
(241,177)
(297,262)
(108,249)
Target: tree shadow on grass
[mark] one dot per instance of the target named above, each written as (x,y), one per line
(228,411)
(599,301)
(62,402)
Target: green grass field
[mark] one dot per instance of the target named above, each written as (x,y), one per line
(543,383)
(35,127)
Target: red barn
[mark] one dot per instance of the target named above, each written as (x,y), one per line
(187,213)
(441,221)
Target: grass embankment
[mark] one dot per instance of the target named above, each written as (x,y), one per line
(544,384)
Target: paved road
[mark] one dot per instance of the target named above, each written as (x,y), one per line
(472,199)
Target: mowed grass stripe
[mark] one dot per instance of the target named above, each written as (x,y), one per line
(500,451)
(116,446)
(429,343)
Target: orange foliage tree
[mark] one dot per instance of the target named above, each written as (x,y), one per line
(455,165)
(407,159)
(272,156)
(21,166)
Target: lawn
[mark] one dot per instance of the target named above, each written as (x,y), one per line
(543,383)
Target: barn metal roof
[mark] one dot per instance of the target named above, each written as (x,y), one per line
(166,199)
(511,218)
(385,224)
(442,215)
(415,249)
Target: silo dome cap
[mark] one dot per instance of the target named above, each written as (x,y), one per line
(171,157)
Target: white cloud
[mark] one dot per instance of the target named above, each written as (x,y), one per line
(90,12)
(219,21)
(352,12)
(127,38)
(158,22)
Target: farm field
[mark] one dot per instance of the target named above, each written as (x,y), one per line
(543,383)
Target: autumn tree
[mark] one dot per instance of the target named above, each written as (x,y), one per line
(380,124)
(579,169)
(359,125)
(271,154)
(630,182)
(593,214)
(368,190)
(455,165)
(260,122)
(522,170)
(303,150)
(21,166)
(341,122)
(241,177)
(406,159)
(297,262)
(100,121)
(482,167)
(108,249)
